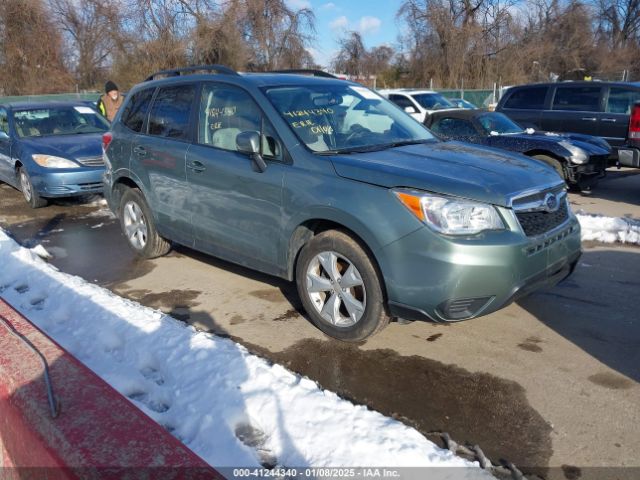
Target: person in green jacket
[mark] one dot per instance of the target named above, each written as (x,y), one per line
(110,102)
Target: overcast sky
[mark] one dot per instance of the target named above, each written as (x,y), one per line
(374,19)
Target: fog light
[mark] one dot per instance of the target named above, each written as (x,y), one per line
(461,308)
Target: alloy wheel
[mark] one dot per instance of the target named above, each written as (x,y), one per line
(25,186)
(336,289)
(135,225)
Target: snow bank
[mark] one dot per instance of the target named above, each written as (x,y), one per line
(609,229)
(230,407)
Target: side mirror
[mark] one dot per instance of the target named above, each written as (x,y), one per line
(410,109)
(4,135)
(249,143)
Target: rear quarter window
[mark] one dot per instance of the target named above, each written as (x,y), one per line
(531,98)
(622,99)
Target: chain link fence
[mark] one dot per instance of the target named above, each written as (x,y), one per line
(91,97)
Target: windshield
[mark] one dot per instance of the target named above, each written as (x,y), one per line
(499,123)
(59,121)
(344,118)
(432,101)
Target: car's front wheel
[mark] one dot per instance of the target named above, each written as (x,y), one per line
(555,163)
(138,226)
(340,287)
(28,192)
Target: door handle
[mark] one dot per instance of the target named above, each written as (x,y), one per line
(610,120)
(589,119)
(140,151)
(196,166)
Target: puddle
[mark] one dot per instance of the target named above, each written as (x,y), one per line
(172,299)
(611,381)
(99,255)
(270,295)
(474,408)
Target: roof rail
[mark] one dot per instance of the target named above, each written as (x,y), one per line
(305,71)
(176,72)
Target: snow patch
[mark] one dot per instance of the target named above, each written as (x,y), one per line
(41,252)
(232,408)
(101,213)
(609,229)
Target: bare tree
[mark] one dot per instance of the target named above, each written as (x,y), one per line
(619,20)
(277,34)
(352,56)
(31,59)
(91,29)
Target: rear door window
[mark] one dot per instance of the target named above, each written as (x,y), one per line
(577,99)
(136,110)
(171,111)
(531,98)
(621,100)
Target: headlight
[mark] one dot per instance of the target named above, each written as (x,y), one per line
(49,161)
(451,216)
(578,155)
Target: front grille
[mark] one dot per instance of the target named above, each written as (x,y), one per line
(90,186)
(534,200)
(537,223)
(92,161)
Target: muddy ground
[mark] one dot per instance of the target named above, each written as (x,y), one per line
(550,383)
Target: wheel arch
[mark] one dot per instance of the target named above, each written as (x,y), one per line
(308,229)
(547,153)
(120,183)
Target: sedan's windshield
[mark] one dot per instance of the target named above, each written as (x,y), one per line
(345,118)
(66,120)
(432,101)
(498,123)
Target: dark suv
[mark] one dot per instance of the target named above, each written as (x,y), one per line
(324,182)
(602,109)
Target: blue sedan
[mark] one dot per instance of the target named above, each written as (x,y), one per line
(52,149)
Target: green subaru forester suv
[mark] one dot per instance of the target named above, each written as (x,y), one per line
(323,182)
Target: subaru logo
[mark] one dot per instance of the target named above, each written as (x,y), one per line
(551,202)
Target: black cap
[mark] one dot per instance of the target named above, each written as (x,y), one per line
(109,86)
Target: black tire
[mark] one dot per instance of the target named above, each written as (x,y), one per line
(555,163)
(28,192)
(370,294)
(146,242)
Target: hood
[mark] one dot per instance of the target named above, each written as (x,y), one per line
(67,146)
(449,168)
(592,145)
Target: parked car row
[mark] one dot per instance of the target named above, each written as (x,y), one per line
(566,125)
(579,159)
(609,110)
(326,183)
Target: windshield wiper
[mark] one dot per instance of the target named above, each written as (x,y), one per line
(373,148)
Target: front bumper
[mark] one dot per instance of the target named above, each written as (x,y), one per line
(448,279)
(68,183)
(594,168)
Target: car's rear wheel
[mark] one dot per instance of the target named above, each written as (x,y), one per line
(340,287)
(28,192)
(555,163)
(138,226)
